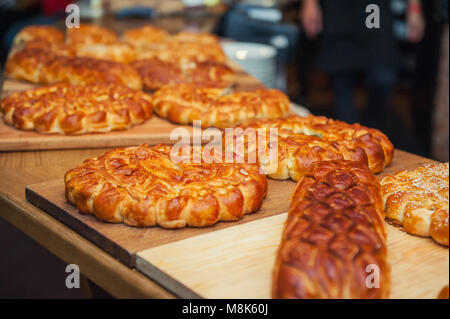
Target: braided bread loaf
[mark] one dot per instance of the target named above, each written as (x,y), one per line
(43,65)
(146,186)
(304,140)
(184,103)
(418,200)
(334,231)
(76,109)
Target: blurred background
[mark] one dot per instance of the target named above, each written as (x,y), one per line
(322,54)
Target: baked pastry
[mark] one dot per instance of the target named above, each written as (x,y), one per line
(301,141)
(163,185)
(184,103)
(40,65)
(196,37)
(90,34)
(75,109)
(152,42)
(39,32)
(118,52)
(146,38)
(418,200)
(184,52)
(334,240)
(156,73)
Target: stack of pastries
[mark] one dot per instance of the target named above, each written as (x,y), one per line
(335,227)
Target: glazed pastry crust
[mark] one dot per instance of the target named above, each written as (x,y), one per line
(185,103)
(156,73)
(39,32)
(146,38)
(418,200)
(334,231)
(90,34)
(146,186)
(302,141)
(74,109)
(39,65)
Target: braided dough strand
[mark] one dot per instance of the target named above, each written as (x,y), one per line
(418,200)
(144,186)
(305,140)
(334,236)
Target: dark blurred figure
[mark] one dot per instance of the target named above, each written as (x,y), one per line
(347,48)
(12,11)
(16,14)
(427,54)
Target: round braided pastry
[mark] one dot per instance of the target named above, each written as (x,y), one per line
(39,32)
(156,73)
(418,200)
(146,186)
(184,103)
(90,34)
(75,109)
(300,141)
(44,65)
(334,237)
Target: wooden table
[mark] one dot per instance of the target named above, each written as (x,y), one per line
(18,169)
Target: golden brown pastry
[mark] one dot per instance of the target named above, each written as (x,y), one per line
(75,109)
(40,65)
(146,38)
(304,140)
(90,34)
(444,293)
(184,103)
(418,200)
(156,73)
(334,240)
(39,32)
(157,185)
(184,52)
(117,52)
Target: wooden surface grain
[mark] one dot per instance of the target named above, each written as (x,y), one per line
(237,262)
(123,242)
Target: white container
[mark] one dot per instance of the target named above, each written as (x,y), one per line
(257,59)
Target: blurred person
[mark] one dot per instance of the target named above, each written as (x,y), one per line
(16,14)
(440,139)
(348,47)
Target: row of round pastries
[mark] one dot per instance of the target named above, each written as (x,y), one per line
(157,57)
(47,109)
(77,109)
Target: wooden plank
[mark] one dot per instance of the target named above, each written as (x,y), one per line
(123,241)
(154,131)
(237,262)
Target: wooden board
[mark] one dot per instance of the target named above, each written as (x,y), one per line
(259,233)
(154,131)
(237,262)
(123,242)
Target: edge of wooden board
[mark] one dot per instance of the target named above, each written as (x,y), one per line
(209,256)
(160,277)
(90,233)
